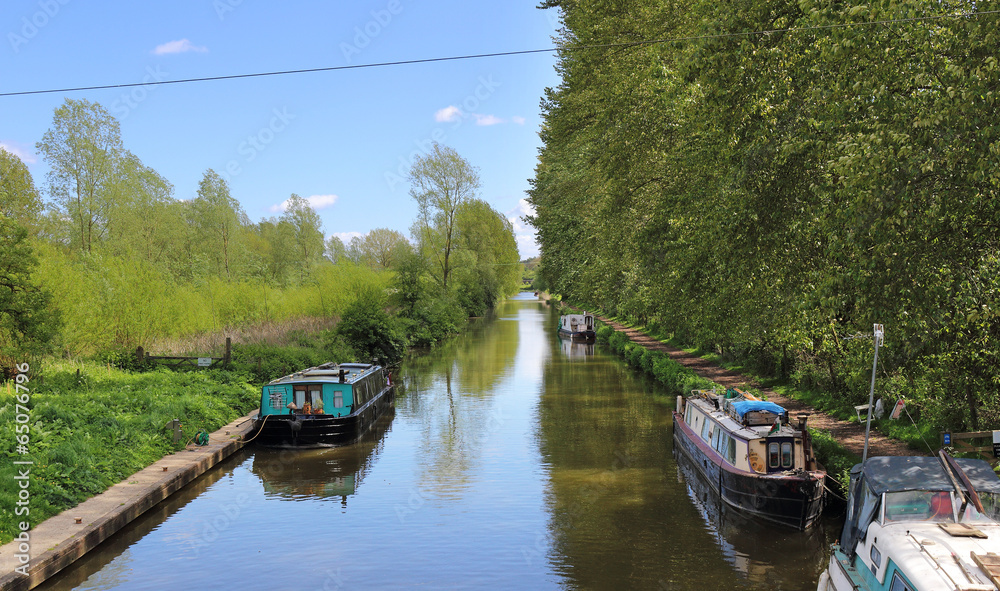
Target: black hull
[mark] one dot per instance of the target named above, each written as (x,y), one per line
(320,430)
(580,336)
(795,501)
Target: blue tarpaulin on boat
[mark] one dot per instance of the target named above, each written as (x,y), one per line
(742,407)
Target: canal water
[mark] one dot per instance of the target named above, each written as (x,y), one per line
(513,460)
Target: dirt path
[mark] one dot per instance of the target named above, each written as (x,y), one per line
(850,435)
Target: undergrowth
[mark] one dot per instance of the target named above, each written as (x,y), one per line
(89,432)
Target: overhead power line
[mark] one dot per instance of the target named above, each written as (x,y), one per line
(505,54)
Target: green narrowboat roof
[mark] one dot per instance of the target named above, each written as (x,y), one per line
(327,372)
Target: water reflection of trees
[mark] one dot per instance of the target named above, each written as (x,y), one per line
(607,442)
(450,391)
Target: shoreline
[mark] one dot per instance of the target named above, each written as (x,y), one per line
(62,539)
(851,436)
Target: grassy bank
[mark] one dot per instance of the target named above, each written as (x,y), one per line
(91,430)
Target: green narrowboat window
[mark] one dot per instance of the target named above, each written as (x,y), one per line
(773,460)
(276,398)
(786,454)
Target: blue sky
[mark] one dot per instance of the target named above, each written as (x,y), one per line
(343,139)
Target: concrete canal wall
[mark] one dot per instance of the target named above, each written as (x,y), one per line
(60,540)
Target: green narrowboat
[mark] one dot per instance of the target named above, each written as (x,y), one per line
(330,404)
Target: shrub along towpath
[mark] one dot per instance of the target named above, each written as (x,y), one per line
(850,435)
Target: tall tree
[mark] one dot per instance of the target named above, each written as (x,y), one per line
(82,149)
(19,200)
(440,182)
(220,219)
(334,249)
(382,247)
(308,230)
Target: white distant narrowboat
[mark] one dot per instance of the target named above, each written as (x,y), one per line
(918,524)
(328,404)
(751,456)
(577,327)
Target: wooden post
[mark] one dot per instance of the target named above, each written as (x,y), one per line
(229,350)
(139,354)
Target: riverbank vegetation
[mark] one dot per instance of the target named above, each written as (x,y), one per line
(778,179)
(679,380)
(111,260)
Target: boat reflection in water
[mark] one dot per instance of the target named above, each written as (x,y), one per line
(575,350)
(778,558)
(327,472)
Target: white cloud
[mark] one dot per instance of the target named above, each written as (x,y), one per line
(346,237)
(487,119)
(448,114)
(317,202)
(527,244)
(321,201)
(518,119)
(25,154)
(179,46)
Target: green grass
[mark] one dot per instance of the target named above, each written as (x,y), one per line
(89,433)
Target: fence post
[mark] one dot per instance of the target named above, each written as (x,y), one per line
(139,354)
(229,348)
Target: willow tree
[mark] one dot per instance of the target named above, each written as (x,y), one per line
(219,221)
(440,182)
(82,149)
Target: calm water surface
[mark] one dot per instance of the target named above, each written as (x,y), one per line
(513,460)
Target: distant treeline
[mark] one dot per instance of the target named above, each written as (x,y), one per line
(110,258)
(769,179)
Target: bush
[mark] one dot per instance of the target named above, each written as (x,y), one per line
(677,378)
(370,331)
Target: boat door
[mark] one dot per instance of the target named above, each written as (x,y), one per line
(780,454)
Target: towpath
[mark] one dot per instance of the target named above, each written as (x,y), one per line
(850,434)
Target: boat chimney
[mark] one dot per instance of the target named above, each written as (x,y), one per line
(343,372)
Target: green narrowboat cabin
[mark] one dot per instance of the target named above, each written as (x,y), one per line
(329,404)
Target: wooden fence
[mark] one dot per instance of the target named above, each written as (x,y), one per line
(976,442)
(145,357)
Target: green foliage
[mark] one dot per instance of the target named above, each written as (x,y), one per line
(26,322)
(837,460)
(370,331)
(769,197)
(677,378)
(88,434)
